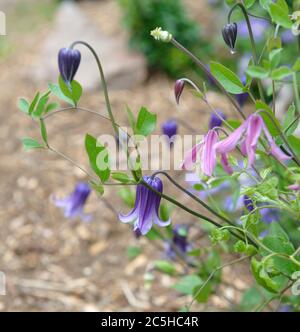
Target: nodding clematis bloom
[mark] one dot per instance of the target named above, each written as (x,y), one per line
(68,63)
(248,134)
(216,121)
(73,204)
(179,242)
(207,153)
(169,128)
(146,208)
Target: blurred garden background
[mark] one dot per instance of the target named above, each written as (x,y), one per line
(55,264)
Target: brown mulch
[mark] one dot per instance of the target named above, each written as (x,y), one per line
(53,264)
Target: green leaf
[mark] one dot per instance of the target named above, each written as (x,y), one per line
(249,3)
(130,118)
(72,92)
(33,103)
(262,278)
(165,266)
(97,187)
(98,156)
(257,72)
(55,89)
(278,241)
(294,143)
(275,57)
(265,4)
(44,131)
(121,177)
(289,119)
(23,105)
(31,143)
(260,105)
(51,107)
(203,295)
(296,66)
(251,299)
(146,122)
(41,105)
(187,284)
(279,13)
(228,79)
(280,73)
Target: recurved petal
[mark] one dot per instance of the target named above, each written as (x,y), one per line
(225,164)
(208,153)
(228,144)
(254,129)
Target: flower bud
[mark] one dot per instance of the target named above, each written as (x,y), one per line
(229,33)
(169,128)
(68,63)
(161,35)
(248,203)
(215,120)
(178,89)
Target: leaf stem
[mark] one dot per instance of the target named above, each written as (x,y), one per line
(253,46)
(207,72)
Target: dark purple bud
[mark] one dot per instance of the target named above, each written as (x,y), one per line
(169,128)
(68,63)
(215,120)
(248,203)
(229,33)
(178,89)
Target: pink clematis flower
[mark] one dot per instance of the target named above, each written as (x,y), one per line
(208,158)
(247,135)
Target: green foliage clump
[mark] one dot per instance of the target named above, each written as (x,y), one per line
(142,16)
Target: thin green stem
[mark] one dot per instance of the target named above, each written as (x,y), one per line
(274,98)
(105,90)
(207,72)
(292,123)
(253,46)
(74,163)
(296,93)
(297,160)
(195,198)
(212,275)
(185,208)
(106,95)
(207,103)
